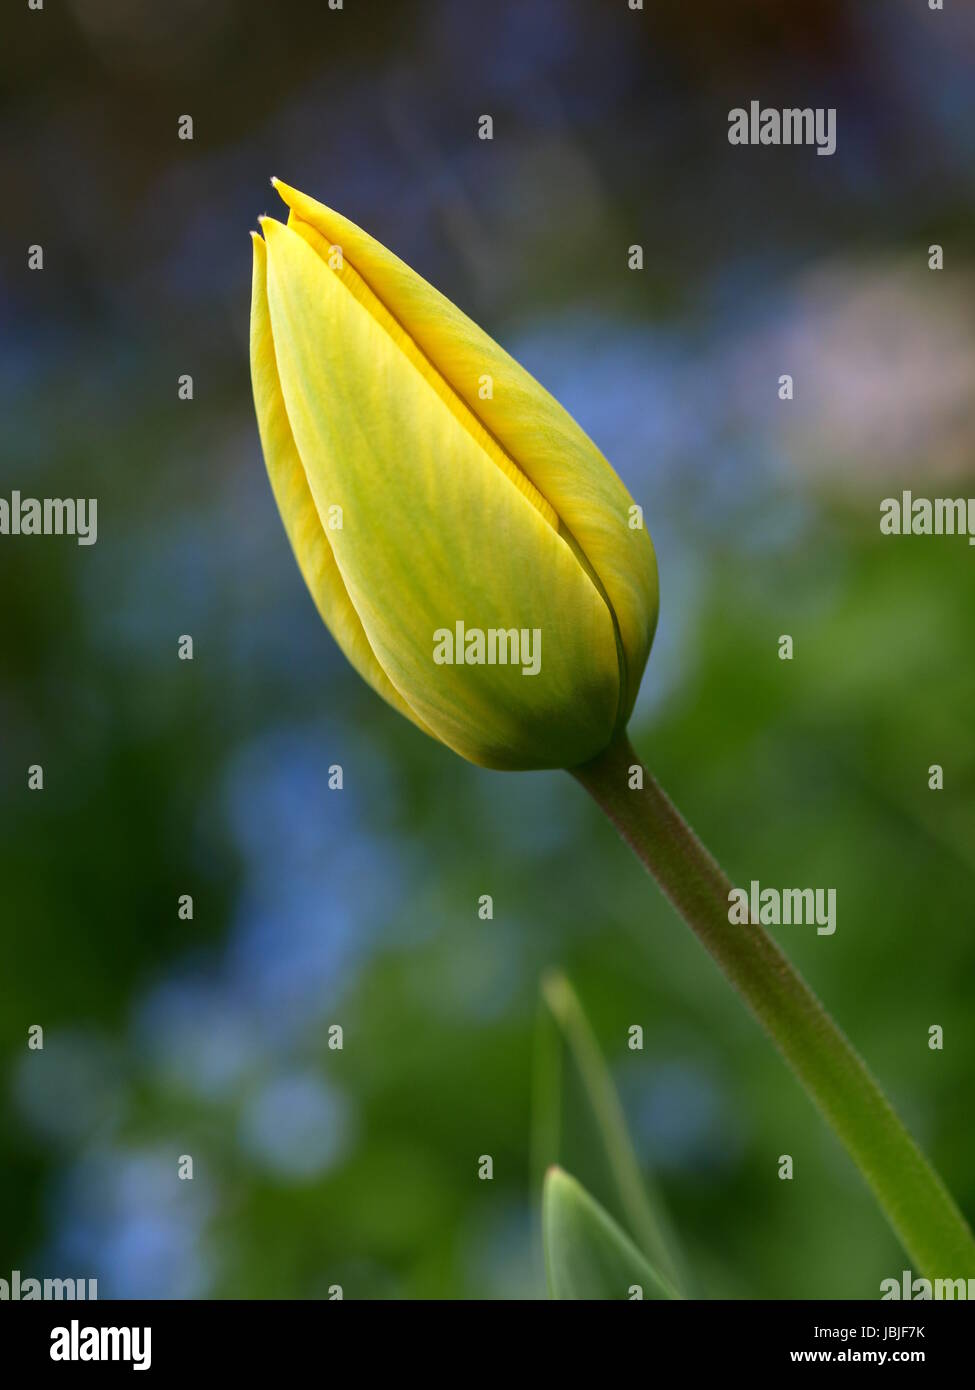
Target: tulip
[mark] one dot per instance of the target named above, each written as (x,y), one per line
(446,513)
(432,489)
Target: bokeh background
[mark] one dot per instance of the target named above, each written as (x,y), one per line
(314,907)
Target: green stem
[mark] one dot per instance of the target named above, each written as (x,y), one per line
(913,1197)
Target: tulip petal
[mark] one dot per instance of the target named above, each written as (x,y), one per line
(528,423)
(305,528)
(437,526)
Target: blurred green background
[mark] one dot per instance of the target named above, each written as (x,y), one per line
(314,907)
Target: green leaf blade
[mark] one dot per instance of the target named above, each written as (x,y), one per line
(640,1205)
(587,1256)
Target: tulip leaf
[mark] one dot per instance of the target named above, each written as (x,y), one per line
(570,1066)
(587,1256)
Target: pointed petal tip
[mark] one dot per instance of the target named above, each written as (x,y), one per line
(286,192)
(301,204)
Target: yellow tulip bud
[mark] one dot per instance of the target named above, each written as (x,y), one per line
(472,552)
